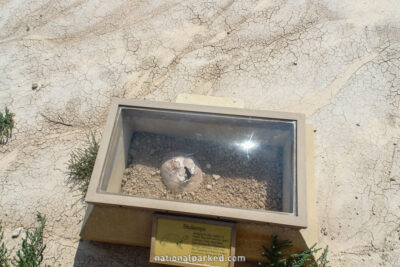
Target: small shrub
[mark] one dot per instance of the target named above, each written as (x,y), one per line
(6,125)
(4,255)
(277,258)
(81,163)
(31,252)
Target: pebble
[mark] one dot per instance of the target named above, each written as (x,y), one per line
(208,166)
(213,183)
(216,176)
(209,187)
(35,86)
(16,232)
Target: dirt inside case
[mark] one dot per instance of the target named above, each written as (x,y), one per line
(231,176)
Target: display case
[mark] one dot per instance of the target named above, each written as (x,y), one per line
(227,163)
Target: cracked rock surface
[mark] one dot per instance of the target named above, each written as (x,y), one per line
(336,61)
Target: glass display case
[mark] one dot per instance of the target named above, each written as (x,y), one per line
(236,164)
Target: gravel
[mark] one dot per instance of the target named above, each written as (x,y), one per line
(234,179)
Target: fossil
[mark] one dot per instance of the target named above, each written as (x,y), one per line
(181,172)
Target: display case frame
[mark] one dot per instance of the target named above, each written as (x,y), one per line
(112,160)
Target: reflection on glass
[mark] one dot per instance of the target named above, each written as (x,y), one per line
(205,158)
(247,145)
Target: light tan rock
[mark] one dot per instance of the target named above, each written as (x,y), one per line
(181,173)
(216,177)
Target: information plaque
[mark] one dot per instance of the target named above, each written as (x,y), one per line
(186,241)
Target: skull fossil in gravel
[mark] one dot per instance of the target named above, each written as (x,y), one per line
(181,173)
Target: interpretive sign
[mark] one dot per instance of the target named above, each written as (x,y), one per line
(186,241)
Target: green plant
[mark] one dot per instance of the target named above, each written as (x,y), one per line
(6,125)
(4,256)
(277,258)
(81,163)
(31,252)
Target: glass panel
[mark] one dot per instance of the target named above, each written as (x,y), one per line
(225,160)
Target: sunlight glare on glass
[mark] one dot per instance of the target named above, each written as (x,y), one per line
(247,145)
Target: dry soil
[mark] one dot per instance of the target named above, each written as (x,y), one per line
(231,177)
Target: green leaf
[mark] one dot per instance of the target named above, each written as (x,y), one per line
(4,254)
(31,252)
(276,256)
(81,163)
(6,125)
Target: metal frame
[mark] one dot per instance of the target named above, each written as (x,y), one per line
(297,220)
